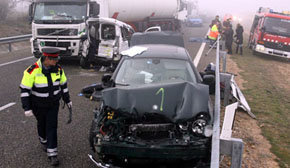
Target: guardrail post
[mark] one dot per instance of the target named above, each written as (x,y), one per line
(223,54)
(9,47)
(237,153)
(233,147)
(226,81)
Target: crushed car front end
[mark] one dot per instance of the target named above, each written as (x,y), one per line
(170,121)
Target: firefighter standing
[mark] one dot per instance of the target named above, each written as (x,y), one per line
(42,86)
(239,38)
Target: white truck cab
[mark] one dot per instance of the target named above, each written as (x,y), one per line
(107,38)
(60,24)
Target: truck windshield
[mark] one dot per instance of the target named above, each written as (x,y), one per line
(60,11)
(277,26)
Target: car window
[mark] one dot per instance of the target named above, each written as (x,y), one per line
(108,32)
(144,71)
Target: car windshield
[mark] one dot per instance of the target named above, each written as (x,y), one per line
(144,71)
(277,26)
(50,11)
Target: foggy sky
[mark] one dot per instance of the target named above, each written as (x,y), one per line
(241,7)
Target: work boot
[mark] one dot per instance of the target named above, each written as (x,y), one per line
(53,160)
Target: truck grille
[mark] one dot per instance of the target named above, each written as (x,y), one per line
(57,32)
(57,44)
(278,46)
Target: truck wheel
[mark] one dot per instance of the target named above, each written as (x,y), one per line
(84,63)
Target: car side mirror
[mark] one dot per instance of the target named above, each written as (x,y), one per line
(89,91)
(210,81)
(106,80)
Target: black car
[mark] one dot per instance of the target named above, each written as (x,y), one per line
(154,106)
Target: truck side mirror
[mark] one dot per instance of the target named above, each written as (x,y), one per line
(94,9)
(30,12)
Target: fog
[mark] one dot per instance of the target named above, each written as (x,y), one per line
(242,6)
(244,9)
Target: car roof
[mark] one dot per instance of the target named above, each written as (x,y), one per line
(104,20)
(157,37)
(162,51)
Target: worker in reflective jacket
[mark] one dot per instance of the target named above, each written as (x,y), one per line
(43,85)
(213,34)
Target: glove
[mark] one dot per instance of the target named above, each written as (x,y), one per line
(28,113)
(69,105)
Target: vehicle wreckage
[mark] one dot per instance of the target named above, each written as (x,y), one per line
(162,115)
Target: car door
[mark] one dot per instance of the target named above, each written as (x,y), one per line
(107,40)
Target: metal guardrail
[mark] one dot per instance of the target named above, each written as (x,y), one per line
(14,39)
(215,148)
(223,143)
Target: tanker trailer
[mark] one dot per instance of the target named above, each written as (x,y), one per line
(142,14)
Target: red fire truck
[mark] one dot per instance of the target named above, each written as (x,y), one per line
(270,33)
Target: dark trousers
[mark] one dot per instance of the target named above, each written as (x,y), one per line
(239,46)
(47,126)
(229,47)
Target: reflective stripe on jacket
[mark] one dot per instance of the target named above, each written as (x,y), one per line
(213,34)
(43,87)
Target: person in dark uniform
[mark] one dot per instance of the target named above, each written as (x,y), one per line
(229,33)
(94,42)
(227,23)
(239,38)
(43,84)
(216,20)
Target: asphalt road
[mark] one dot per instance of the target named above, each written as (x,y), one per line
(19,145)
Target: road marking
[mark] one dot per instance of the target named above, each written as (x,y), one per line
(199,53)
(7,105)
(7,63)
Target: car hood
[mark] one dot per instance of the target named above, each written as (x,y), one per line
(177,101)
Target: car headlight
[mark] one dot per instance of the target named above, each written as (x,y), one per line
(260,48)
(183,127)
(198,126)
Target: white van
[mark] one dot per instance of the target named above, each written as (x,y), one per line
(106,39)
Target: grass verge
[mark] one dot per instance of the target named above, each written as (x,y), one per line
(268,93)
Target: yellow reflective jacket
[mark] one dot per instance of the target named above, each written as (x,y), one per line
(214,32)
(43,87)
